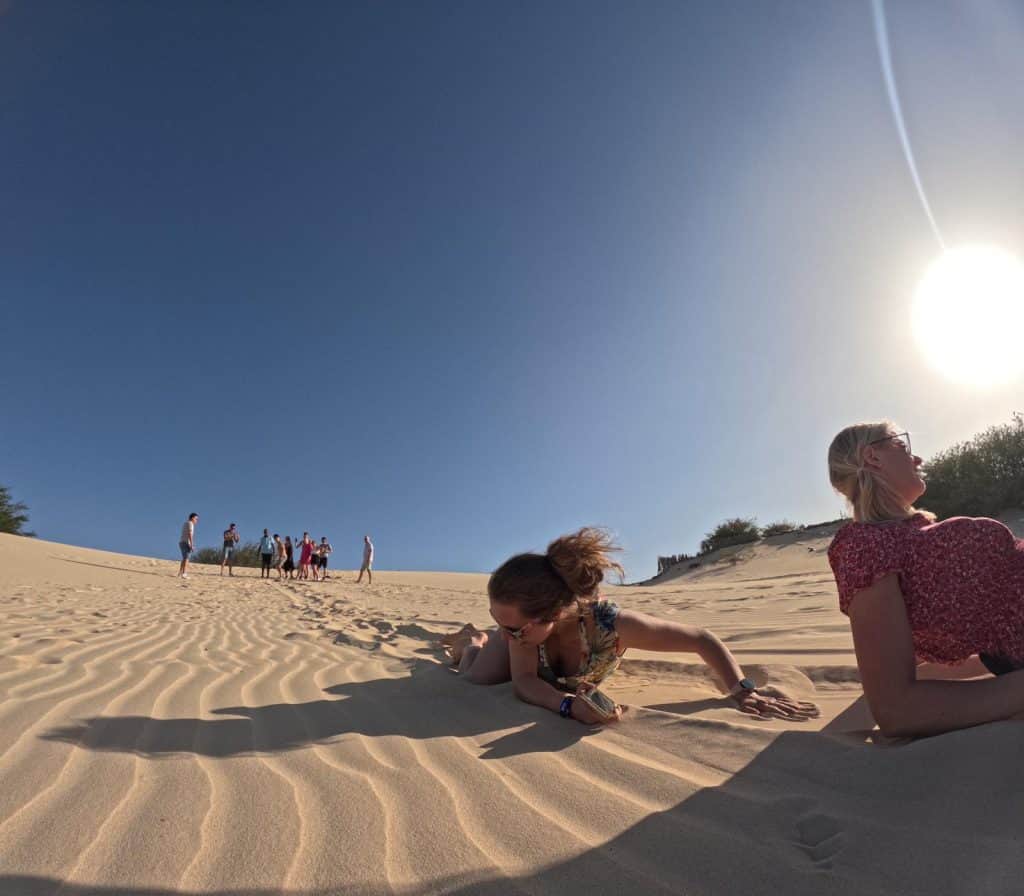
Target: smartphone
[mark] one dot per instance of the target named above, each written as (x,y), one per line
(600,702)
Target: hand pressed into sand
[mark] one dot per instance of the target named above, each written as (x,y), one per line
(769,702)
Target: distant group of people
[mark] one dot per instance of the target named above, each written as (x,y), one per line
(280,555)
(275,554)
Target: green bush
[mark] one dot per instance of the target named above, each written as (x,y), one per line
(981,477)
(13,515)
(729,533)
(247,554)
(779,528)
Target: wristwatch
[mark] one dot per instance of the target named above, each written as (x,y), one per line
(743,686)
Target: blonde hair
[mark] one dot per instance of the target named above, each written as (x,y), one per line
(542,585)
(871,498)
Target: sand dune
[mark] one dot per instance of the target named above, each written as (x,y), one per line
(233,736)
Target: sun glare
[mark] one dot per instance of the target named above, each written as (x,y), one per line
(968,315)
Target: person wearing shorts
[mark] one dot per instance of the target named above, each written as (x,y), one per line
(279,556)
(267,551)
(314,559)
(231,539)
(367,565)
(325,552)
(186,543)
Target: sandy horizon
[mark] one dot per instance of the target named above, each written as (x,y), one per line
(234,736)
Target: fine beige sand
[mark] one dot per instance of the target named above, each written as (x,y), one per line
(231,736)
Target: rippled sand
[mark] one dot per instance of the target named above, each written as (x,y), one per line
(233,736)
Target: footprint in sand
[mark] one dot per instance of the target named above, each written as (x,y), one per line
(820,838)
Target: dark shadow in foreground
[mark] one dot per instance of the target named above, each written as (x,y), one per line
(808,814)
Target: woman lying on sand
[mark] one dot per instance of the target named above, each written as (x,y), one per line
(559,638)
(916,590)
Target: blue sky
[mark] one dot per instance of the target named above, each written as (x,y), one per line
(469,275)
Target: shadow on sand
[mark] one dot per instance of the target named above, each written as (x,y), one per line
(381,707)
(807,814)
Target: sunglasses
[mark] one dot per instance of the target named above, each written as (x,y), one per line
(517,633)
(904,436)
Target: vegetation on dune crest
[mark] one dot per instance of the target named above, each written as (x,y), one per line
(779,528)
(13,514)
(729,533)
(981,477)
(247,554)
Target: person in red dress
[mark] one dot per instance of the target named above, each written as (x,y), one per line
(917,590)
(305,555)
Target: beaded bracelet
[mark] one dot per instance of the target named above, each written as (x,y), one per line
(565,710)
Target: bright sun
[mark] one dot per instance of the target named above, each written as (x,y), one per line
(968,315)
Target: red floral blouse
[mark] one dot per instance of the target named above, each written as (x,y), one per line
(962,581)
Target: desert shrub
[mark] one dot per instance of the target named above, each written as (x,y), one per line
(729,533)
(13,514)
(981,477)
(666,563)
(247,554)
(779,528)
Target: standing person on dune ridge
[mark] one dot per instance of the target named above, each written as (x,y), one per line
(557,639)
(279,556)
(367,564)
(187,543)
(325,551)
(267,551)
(289,557)
(314,559)
(305,555)
(231,539)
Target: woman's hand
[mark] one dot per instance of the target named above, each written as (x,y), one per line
(770,703)
(582,712)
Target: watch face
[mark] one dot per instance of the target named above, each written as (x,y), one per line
(747,684)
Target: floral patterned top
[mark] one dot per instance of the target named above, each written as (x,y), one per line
(601,654)
(962,581)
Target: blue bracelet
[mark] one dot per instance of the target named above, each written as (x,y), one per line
(565,710)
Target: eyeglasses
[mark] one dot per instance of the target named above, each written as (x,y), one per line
(905,436)
(516,633)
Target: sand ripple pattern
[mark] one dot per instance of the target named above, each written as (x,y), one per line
(232,736)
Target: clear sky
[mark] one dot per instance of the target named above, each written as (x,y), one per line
(466,276)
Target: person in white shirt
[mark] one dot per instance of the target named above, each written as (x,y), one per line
(367,566)
(187,543)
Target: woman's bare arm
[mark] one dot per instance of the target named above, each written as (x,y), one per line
(646,632)
(650,633)
(902,705)
(530,688)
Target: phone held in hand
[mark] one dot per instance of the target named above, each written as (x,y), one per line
(600,702)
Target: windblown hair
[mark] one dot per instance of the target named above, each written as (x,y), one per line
(871,498)
(542,585)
